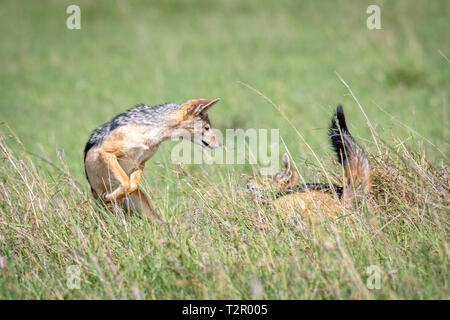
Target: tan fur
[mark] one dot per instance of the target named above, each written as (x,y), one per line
(357,180)
(303,202)
(116,166)
(193,107)
(309,202)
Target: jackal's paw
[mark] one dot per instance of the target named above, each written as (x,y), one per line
(108,196)
(133,188)
(104,196)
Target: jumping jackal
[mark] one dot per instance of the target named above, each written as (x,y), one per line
(304,197)
(116,152)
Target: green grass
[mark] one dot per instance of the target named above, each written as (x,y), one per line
(57,85)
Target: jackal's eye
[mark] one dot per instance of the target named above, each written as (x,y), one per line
(207,128)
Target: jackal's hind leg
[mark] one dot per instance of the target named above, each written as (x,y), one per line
(140,203)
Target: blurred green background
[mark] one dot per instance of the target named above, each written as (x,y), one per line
(57,85)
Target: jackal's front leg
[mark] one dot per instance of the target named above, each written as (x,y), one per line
(127,184)
(121,191)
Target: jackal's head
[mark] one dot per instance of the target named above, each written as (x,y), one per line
(192,120)
(283,180)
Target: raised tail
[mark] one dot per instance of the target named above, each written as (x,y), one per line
(350,155)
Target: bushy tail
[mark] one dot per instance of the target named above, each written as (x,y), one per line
(350,155)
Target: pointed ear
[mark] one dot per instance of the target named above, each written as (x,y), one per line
(287,167)
(196,107)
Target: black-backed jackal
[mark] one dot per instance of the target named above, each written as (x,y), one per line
(306,198)
(116,152)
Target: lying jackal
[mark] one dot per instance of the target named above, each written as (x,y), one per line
(116,152)
(306,197)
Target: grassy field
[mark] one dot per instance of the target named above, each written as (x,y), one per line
(57,85)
